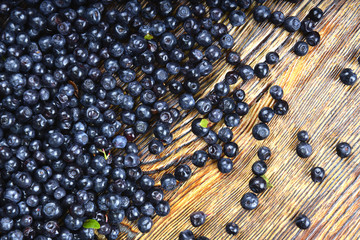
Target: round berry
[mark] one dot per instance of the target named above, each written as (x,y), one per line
(257,184)
(225,165)
(317,174)
(343,150)
(232,228)
(304,150)
(261,13)
(348,77)
(281,107)
(197,218)
(303,136)
(260,131)
(276,92)
(272,58)
(292,24)
(302,222)
(301,48)
(182,172)
(249,201)
(259,168)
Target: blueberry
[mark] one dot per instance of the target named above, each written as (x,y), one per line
(155,195)
(197,218)
(343,149)
(203,38)
(161,131)
(225,165)
(276,92)
(186,101)
(213,53)
(132,213)
(199,158)
(348,77)
(197,129)
(182,172)
(232,120)
(302,222)
(272,58)
(260,131)
(292,24)
(232,228)
(186,235)
(162,208)
(215,151)
(317,174)
(147,209)
(259,168)
(52,210)
(281,107)
(266,114)
(168,182)
(316,14)
(203,106)
(301,48)
(227,105)
(313,38)
(182,13)
(242,108)
(225,134)
(246,72)
(216,14)
(307,26)
(237,18)
(226,41)
(303,136)
(261,13)
(249,201)
(257,184)
(239,95)
(231,149)
(304,150)
(215,115)
(23,179)
(156,147)
(145,224)
(277,18)
(131,160)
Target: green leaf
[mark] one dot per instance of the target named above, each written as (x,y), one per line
(91,223)
(268,184)
(204,123)
(148,36)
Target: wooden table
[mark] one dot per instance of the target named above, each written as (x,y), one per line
(319,103)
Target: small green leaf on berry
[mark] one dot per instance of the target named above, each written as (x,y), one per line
(204,123)
(91,223)
(148,36)
(268,184)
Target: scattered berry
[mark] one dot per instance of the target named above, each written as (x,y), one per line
(303,136)
(249,201)
(317,174)
(343,150)
(259,168)
(304,150)
(302,221)
(197,218)
(232,228)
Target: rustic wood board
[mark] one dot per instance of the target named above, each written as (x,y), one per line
(319,103)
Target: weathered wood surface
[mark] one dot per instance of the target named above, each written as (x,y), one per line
(319,103)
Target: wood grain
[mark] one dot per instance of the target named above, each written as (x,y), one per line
(319,103)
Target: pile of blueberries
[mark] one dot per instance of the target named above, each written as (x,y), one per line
(71,93)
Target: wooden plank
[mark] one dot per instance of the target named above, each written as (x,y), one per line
(319,103)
